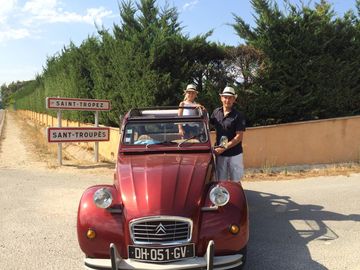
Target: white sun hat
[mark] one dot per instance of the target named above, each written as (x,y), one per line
(229,91)
(191,88)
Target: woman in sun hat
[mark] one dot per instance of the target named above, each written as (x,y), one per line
(190,94)
(230,126)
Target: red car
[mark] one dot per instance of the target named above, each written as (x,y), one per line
(165,209)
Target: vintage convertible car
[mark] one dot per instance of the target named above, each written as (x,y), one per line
(165,208)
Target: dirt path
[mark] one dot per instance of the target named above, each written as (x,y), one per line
(22,146)
(13,151)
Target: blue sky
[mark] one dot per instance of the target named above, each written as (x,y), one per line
(30,31)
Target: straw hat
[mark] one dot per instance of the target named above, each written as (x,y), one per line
(191,88)
(229,91)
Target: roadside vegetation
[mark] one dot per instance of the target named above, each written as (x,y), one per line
(299,172)
(296,64)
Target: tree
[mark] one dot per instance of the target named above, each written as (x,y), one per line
(151,60)
(309,60)
(145,60)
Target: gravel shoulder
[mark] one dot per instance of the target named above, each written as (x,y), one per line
(24,145)
(14,152)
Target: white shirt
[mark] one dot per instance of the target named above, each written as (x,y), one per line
(188,112)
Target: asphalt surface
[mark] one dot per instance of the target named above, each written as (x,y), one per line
(310,223)
(38,218)
(297,224)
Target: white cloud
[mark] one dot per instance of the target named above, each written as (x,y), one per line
(40,7)
(96,15)
(7,7)
(13,33)
(17,22)
(92,15)
(49,11)
(190,5)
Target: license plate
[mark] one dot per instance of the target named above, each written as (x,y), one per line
(161,254)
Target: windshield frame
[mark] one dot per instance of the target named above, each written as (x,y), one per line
(167,145)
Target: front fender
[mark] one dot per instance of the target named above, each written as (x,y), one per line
(215,224)
(107,225)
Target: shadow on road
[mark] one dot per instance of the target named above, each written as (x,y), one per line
(280,230)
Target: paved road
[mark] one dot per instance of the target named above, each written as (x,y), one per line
(300,224)
(305,224)
(38,205)
(38,218)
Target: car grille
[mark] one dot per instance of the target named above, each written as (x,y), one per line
(161,230)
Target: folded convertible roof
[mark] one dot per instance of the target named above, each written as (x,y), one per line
(164,113)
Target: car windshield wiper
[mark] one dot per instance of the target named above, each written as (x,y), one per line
(192,137)
(161,143)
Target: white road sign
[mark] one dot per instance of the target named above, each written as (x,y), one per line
(95,134)
(77,104)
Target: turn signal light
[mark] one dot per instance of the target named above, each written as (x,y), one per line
(234,229)
(91,234)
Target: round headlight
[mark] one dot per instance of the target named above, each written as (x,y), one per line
(219,196)
(103,198)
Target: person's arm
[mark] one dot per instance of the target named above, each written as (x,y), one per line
(240,128)
(236,140)
(199,106)
(180,112)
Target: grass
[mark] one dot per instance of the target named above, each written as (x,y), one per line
(295,172)
(37,142)
(48,152)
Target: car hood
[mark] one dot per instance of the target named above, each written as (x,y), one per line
(162,184)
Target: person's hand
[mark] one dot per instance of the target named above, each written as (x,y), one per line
(219,150)
(201,107)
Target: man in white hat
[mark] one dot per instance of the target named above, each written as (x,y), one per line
(230,126)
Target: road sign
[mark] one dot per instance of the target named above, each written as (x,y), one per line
(77,104)
(94,134)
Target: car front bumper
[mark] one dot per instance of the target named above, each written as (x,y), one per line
(209,262)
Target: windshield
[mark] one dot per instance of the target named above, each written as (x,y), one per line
(168,133)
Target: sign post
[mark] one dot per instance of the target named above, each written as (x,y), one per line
(59,144)
(78,134)
(96,150)
(94,134)
(77,104)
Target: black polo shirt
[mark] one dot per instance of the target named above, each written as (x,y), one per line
(228,126)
